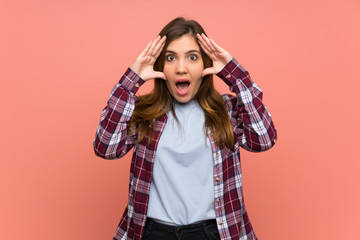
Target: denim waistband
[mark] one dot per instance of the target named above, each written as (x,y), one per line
(180,228)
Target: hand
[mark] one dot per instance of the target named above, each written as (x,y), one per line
(219,55)
(144,63)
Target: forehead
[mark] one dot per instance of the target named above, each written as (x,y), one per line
(183,44)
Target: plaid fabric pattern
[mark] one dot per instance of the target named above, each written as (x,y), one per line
(253,131)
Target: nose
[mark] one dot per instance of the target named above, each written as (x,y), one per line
(181,67)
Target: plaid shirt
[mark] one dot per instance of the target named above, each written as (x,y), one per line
(253,130)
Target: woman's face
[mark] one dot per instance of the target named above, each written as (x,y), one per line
(183,68)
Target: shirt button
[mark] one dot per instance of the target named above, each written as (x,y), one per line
(217,179)
(218,200)
(220,223)
(228,76)
(136,85)
(217,154)
(274,140)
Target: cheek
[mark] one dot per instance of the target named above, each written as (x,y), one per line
(198,69)
(197,75)
(167,84)
(197,72)
(167,71)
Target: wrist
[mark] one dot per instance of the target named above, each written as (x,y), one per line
(131,80)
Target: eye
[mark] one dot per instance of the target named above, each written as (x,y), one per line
(170,58)
(193,57)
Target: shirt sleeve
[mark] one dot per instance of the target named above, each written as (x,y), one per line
(254,129)
(111,139)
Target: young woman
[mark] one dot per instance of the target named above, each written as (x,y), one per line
(185,175)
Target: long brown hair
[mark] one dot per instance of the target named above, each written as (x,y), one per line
(159,101)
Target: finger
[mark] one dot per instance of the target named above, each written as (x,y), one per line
(222,52)
(203,46)
(208,43)
(217,47)
(205,49)
(159,44)
(153,45)
(146,50)
(159,75)
(208,71)
(159,47)
(159,51)
(201,40)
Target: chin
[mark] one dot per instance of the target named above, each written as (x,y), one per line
(182,99)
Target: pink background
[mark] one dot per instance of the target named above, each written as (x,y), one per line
(60,59)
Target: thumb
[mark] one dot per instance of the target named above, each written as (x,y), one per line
(208,71)
(159,75)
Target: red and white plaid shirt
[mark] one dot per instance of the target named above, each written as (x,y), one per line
(253,130)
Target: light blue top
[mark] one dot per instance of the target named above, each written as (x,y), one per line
(182,189)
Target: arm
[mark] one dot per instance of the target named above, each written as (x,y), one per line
(254,124)
(254,128)
(111,140)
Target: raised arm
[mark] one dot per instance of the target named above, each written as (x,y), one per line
(112,140)
(253,125)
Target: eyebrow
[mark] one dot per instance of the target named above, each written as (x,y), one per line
(190,51)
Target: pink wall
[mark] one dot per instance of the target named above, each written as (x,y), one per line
(60,59)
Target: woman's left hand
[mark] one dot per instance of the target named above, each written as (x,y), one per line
(219,55)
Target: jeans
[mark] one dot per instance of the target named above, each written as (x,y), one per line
(205,230)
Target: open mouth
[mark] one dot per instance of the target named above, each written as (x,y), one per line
(182,86)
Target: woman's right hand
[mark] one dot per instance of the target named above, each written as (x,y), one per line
(144,63)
